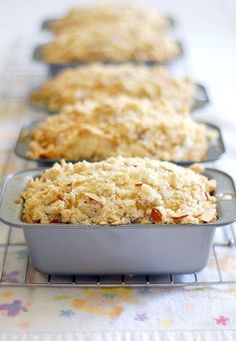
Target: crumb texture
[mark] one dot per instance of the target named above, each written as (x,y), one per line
(105,14)
(140,44)
(119,191)
(95,130)
(99,80)
(111,33)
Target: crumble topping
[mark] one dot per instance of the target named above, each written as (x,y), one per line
(114,42)
(99,80)
(119,191)
(95,130)
(102,14)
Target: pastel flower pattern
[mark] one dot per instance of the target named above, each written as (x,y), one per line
(222,320)
(67,313)
(13,309)
(10,277)
(141,317)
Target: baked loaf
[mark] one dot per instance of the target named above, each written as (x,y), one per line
(106,14)
(99,80)
(114,42)
(119,191)
(95,130)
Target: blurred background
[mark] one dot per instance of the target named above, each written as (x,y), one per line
(206,28)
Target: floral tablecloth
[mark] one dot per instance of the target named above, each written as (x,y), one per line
(120,314)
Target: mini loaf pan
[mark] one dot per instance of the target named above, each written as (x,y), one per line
(216,148)
(124,249)
(47,22)
(201,99)
(55,68)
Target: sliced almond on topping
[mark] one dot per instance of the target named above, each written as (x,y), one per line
(209,215)
(43,155)
(142,132)
(156,216)
(167,169)
(207,195)
(138,184)
(93,197)
(211,186)
(197,167)
(54,221)
(178,218)
(197,216)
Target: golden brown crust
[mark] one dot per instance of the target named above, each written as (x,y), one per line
(124,44)
(99,80)
(101,14)
(95,130)
(107,193)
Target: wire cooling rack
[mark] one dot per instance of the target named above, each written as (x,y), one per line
(18,79)
(26,275)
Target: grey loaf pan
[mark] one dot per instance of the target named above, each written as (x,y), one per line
(46,23)
(55,68)
(124,249)
(201,99)
(215,148)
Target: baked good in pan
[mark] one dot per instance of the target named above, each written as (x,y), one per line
(120,191)
(112,43)
(101,14)
(95,130)
(97,80)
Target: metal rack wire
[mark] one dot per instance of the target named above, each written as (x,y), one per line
(29,277)
(19,76)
